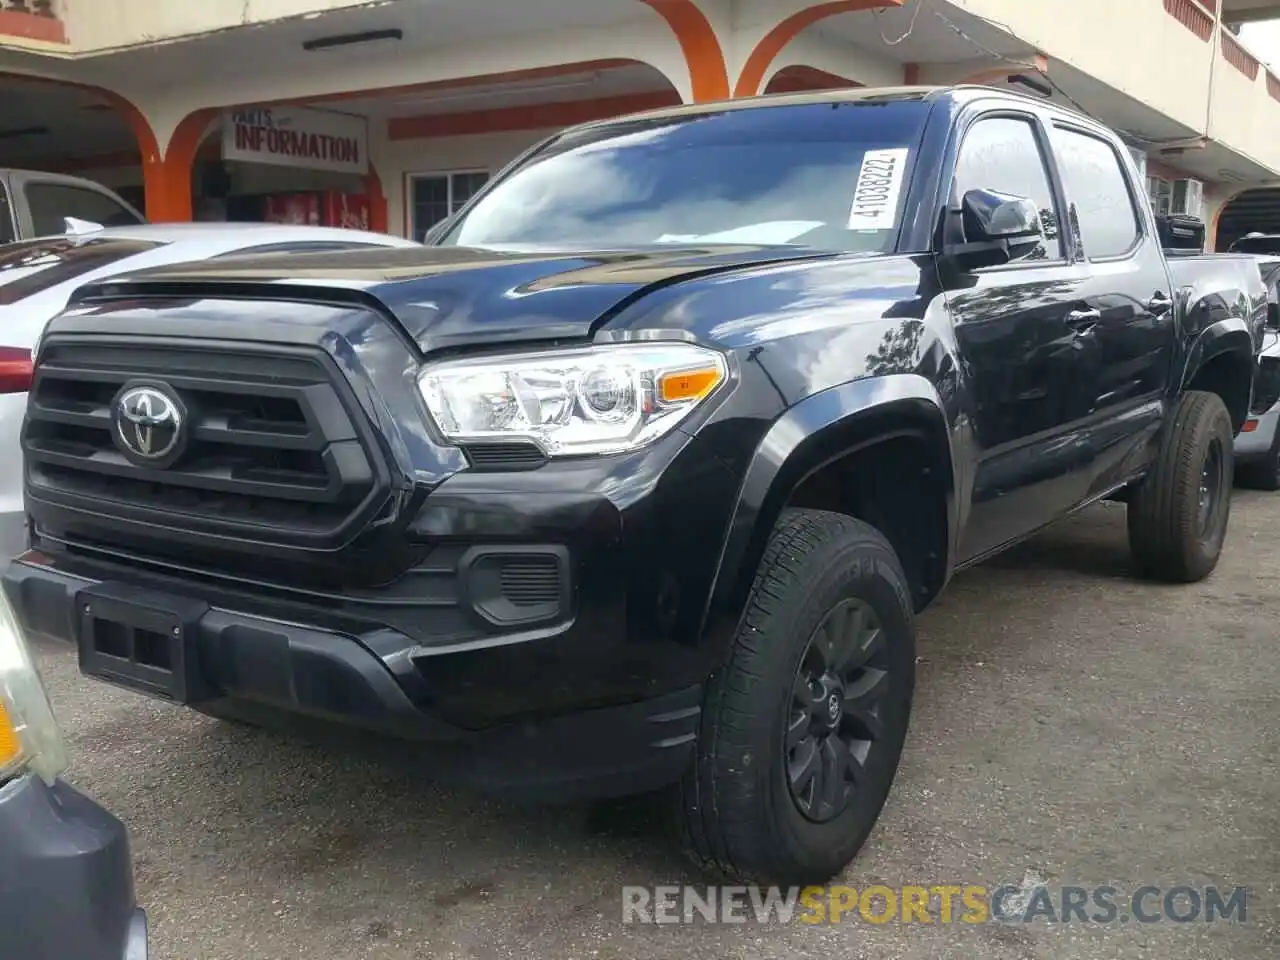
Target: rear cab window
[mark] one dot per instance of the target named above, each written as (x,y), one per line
(50,203)
(36,265)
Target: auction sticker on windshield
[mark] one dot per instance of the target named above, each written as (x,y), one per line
(875,198)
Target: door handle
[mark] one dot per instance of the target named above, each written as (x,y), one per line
(1084,320)
(1159,304)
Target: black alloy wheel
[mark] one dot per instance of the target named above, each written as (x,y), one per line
(1179,512)
(1213,480)
(834,721)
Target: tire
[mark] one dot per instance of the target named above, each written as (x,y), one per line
(1262,474)
(738,812)
(1178,514)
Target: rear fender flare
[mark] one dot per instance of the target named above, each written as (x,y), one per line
(1231,335)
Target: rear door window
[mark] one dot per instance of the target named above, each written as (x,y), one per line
(51,203)
(1097,187)
(36,265)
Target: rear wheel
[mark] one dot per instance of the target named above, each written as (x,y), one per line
(804,727)
(1178,515)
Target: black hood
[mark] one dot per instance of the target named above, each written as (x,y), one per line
(451,295)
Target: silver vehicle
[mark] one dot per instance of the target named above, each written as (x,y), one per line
(38,276)
(1257,446)
(35,204)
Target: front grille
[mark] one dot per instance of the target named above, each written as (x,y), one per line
(1266,386)
(273,451)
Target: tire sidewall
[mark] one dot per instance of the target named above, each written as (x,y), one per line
(869,575)
(1217,426)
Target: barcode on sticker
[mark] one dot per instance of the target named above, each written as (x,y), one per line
(875,198)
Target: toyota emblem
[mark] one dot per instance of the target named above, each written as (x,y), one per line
(149,423)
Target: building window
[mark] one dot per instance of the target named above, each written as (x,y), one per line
(1161,193)
(434,196)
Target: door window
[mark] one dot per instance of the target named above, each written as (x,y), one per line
(1003,154)
(50,203)
(1099,191)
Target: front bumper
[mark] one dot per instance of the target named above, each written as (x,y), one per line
(66,879)
(277,672)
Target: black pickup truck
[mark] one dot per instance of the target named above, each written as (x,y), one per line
(638,475)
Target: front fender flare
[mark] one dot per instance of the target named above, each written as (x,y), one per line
(807,436)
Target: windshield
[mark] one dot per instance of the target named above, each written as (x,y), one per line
(36,265)
(825,175)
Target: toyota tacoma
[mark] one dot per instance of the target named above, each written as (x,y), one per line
(636,477)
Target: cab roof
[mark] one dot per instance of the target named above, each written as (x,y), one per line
(840,95)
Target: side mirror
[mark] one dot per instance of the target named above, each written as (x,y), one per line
(437,231)
(998,228)
(1273,315)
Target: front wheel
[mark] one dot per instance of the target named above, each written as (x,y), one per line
(804,726)
(1178,514)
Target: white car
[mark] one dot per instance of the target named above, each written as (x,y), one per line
(37,277)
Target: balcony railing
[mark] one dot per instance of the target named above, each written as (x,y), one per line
(1194,15)
(33,20)
(1239,57)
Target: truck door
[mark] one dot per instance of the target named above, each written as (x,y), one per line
(1128,299)
(1029,375)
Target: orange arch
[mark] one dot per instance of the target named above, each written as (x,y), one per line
(379,217)
(157,176)
(147,144)
(168,185)
(1211,229)
(799,77)
(708,74)
(771,44)
(173,194)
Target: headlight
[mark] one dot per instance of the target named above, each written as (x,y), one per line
(29,735)
(602,399)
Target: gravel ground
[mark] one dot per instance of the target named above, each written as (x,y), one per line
(1073,726)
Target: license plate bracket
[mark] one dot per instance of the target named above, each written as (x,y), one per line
(140,639)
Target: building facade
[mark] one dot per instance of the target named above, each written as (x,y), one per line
(403,108)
